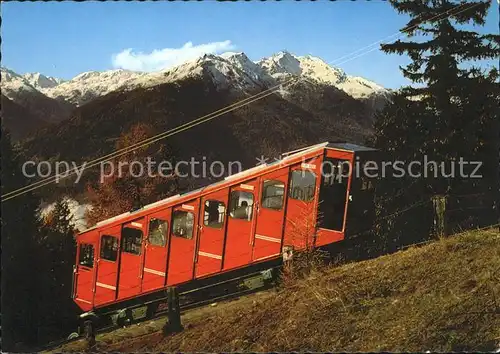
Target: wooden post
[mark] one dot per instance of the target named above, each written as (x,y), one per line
(89,331)
(287,255)
(174,312)
(439,203)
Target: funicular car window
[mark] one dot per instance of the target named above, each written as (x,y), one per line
(302,185)
(109,248)
(272,194)
(241,205)
(182,224)
(214,214)
(336,172)
(131,240)
(158,230)
(86,258)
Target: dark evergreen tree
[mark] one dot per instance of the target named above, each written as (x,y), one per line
(57,250)
(452,113)
(402,200)
(19,257)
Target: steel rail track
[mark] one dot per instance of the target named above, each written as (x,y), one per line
(184,307)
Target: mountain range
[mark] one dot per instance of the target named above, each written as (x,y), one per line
(226,69)
(81,119)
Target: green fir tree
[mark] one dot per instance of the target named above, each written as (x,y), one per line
(450,112)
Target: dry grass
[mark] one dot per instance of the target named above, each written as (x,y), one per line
(441,297)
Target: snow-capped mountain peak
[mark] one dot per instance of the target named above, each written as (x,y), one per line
(91,84)
(228,70)
(13,84)
(40,81)
(86,75)
(117,73)
(318,69)
(9,75)
(281,64)
(284,64)
(242,62)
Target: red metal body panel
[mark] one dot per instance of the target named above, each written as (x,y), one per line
(300,225)
(211,239)
(85,276)
(155,256)
(107,271)
(130,276)
(238,250)
(269,224)
(181,254)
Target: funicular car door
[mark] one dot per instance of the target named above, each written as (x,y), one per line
(84,270)
(211,233)
(270,214)
(300,219)
(182,242)
(240,225)
(131,251)
(334,196)
(156,250)
(107,265)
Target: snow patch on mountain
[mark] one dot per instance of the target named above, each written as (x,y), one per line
(77,212)
(359,87)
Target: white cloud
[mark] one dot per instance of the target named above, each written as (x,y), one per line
(165,58)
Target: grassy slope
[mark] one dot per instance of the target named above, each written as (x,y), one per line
(441,297)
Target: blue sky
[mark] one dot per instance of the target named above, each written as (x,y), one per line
(63,39)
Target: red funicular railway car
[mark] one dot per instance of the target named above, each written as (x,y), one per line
(247,219)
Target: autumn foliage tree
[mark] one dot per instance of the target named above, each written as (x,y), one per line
(127,183)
